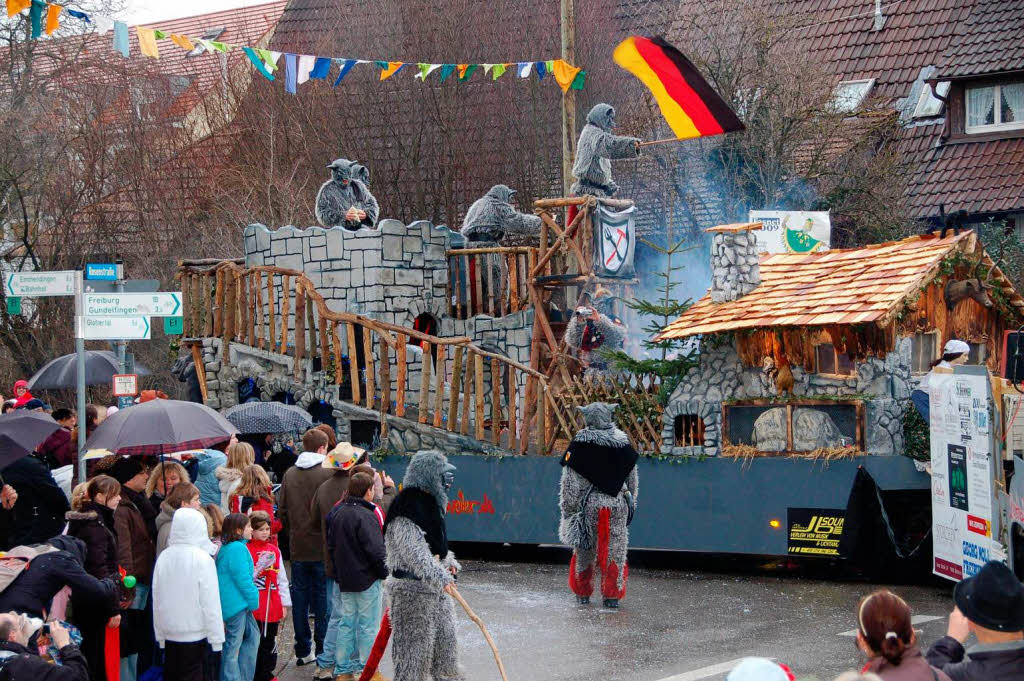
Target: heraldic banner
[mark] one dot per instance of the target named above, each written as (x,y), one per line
(614,242)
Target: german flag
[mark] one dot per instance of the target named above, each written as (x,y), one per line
(690,106)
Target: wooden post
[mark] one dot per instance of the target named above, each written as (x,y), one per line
(368,373)
(325,346)
(439,372)
(457,292)
(479,370)
(568,31)
(513,282)
(286,294)
(453,400)
(253,294)
(531,396)
(496,392)
(490,283)
(353,364)
(218,316)
(467,392)
(271,311)
(260,314)
(385,378)
(477,305)
(400,360)
(241,324)
(541,420)
(338,375)
(198,305)
(300,329)
(424,404)
(197,360)
(310,326)
(513,406)
(186,303)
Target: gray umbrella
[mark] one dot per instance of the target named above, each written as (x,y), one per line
(269,417)
(161,427)
(100,367)
(21,431)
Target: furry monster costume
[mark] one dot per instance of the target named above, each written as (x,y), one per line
(422,614)
(492,217)
(596,146)
(600,481)
(588,336)
(347,188)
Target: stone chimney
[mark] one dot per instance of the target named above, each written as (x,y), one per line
(735,270)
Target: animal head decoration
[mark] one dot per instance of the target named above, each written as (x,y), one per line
(603,116)
(501,193)
(430,471)
(975,287)
(344,171)
(599,415)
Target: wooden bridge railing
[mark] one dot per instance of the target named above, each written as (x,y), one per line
(448,383)
(492,281)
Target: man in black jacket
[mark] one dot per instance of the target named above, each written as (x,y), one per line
(33,589)
(19,663)
(39,512)
(356,542)
(990,604)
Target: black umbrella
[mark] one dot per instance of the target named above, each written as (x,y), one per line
(161,427)
(269,417)
(100,367)
(21,431)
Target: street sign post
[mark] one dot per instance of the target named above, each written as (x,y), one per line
(41,284)
(131,304)
(126,385)
(105,271)
(112,328)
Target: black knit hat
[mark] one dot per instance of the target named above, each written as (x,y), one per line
(993,598)
(125,469)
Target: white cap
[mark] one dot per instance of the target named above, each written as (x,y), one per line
(956,347)
(112,410)
(757,669)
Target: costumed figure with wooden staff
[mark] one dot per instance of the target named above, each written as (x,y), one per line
(418,592)
(597,500)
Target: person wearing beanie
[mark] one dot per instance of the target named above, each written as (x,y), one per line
(953,353)
(136,553)
(991,605)
(759,669)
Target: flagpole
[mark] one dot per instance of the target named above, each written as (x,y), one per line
(661,141)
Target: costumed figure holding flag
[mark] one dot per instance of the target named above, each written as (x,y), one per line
(597,500)
(423,572)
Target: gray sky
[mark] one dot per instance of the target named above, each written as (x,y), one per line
(143,11)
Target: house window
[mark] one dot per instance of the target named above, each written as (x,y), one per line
(850,94)
(924,349)
(830,361)
(928,105)
(995,107)
(978,354)
(689,430)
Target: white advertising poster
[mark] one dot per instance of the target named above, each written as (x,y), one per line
(792,231)
(962,473)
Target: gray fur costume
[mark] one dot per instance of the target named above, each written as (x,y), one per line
(603,452)
(424,645)
(348,187)
(492,217)
(604,334)
(596,146)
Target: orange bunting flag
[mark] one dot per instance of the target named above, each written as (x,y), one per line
(565,73)
(391,69)
(17,6)
(52,18)
(182,41)
(147,42)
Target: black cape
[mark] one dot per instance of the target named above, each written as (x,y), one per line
(605,467)
(422,509)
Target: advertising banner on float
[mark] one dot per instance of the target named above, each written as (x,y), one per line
(792,231)
(963,472)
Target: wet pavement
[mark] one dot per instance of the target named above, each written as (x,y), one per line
(685,618)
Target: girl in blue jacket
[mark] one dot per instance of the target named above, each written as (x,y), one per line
(238,598)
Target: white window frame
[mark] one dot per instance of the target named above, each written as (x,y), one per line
(997,112)
(851,106)
(928,105)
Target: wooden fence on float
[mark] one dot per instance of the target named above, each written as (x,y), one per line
(639,412)
(492,281)
(461,388)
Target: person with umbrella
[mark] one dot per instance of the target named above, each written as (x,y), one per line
(259,421)
(40,513)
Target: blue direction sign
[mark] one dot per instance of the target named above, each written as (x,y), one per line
(101,271)
(131,304)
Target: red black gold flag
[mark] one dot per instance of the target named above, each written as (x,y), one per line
(690,106)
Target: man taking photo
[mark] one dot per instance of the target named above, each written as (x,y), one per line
(19,663)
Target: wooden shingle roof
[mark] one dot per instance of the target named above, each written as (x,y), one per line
(843,286)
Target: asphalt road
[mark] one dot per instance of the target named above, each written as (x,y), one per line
(684,618)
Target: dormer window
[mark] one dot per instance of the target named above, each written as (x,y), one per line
(993,108)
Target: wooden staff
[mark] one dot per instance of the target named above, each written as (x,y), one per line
(661,141)
(480,623)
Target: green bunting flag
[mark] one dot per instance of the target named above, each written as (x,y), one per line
(497,71)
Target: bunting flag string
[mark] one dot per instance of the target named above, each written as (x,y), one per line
(298,68)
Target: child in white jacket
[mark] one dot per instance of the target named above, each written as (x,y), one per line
(186,598)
